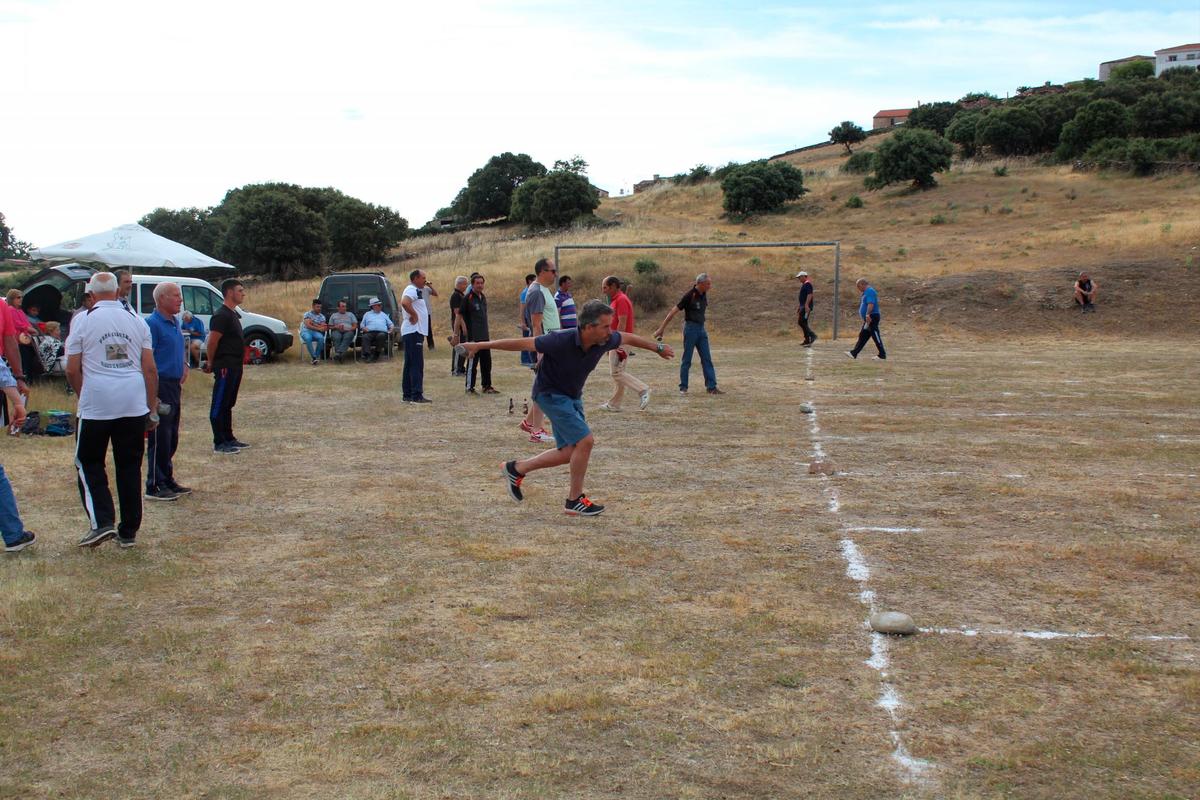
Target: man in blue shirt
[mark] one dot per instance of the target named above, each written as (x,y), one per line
(193,331)
(166,338)
(868,309)
(567,316)
(568,357)
(376,327)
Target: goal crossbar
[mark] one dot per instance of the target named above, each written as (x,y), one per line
(835,244)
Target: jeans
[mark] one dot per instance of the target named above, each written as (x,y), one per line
(341,341)
(412,380)
(695,337)
(314,340)
(10,520)
(528,359)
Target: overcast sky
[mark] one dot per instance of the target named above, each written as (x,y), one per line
(111,109)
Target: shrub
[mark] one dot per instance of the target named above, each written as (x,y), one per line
(720,173)
(933,116)
(1009,131)
(1000,172)
(911,155)
(855,202)
(648,271)
(761,186)
(860,163)
(699,174)
(938,219)
(1095,121)
(962,129)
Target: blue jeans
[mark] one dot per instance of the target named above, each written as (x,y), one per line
(314,340)
(696,338)
(412,380)
(10,521)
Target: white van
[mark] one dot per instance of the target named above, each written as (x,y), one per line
(58,290)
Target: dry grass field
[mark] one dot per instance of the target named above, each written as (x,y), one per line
(355,608)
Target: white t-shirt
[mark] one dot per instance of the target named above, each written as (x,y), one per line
(418,304)
(110,340)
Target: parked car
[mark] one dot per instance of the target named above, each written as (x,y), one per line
(357,289)
(58,291)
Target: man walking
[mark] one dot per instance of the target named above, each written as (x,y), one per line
(804,309)
(475,319)
(568,357)
(342,325)
(622,322)
(110,365)
(457,333)
(868,309)
(543,318)
(693,304)
(170,361)
(413,329)
(226,353)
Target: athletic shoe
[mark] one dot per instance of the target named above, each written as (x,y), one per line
(582,507)
(813,340)
(314,362)
(851,355)
(605,406)
(879,358)
(27,538)
(161,493)
(525,426)
(514,479)
(643,400)
(472,391)
(179,490)
(806,344)
(715,390)
(683,392)
(541,437)
(97,536)
(238,444)
(125,543)
(490,390)
(224,448)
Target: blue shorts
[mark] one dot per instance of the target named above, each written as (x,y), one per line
(566,415)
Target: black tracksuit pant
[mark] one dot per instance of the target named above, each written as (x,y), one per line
(128,438)
(809,336)
(869,332)
(227,381)
(164,440)
(482,362)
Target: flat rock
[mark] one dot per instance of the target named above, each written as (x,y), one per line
(893,622)
(822,468)
(805,408)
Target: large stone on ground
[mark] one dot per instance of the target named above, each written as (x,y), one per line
(893,622)
(824,467)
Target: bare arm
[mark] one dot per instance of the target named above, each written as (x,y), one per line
(18,406)
(150,373)
(75,372)
(213,338)
(12,354)
(500,344)
(670,316)
(535,323)
(663,350)
(407,305)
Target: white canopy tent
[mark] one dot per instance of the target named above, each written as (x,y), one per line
(129,246)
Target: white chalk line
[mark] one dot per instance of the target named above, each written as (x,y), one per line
(915,769)
(1041,634)
(876,529)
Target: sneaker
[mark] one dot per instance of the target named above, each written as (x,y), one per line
(715,390)
(225,448)
(514,479)
(606,406)
(879,358)
(124,543)
(472,391)
(490,390)
(27,538)
(582,507)
(683,392)
(541,437)
(161,493)
(851,355)
(806,344)
(813,340)
(97,536)
(237,444)
(179,490)
(643,400)
(314,362)
(525,426)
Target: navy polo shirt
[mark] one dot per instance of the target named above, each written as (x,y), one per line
(167,341)
(565,364)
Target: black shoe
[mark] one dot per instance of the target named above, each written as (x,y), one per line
(489,390)
(421,400)
(582,507)
(806,344)
(124,543)
(161,493)
(237,445)
(813,340)
(472,391)
(179,490)
(225,448)
(514,479)
(97,536)
(715,390)
(27,538)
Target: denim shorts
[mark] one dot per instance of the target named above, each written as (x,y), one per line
(566,415)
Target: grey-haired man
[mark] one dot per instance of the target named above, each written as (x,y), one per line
(693,304)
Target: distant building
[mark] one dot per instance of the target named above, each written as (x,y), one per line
(1185,55)
(1107,67)
(890,118)
(642,186)
(601,193)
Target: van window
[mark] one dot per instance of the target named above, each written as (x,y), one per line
(198,300)
(146,292)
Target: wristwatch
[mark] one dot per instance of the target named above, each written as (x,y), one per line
(660,348)
(154,418)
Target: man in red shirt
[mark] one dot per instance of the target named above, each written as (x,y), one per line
(622,322)
(12,354)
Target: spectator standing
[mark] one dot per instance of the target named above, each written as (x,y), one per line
(804,308)
(170,361)
(622,322)
(568,357)
(377,328)
(565,303)
(193,330)
(694,305)
(543,318)
(414,328)
(12,354)
(1085,293)
(457,332)
(312,331)
(868,309)
(342,326)
(226,355)
(125,289)
(475,320)
(12,529)
(528,359)
(110,365)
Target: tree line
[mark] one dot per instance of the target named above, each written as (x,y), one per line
(516,187)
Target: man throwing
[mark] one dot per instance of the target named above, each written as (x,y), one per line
(693,305)
(868,309)
(618,360)
(568,357)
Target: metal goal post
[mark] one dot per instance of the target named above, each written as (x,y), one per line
(836,245)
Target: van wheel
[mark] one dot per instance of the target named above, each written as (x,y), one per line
(262,343)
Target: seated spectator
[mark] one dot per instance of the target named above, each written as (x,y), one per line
(193,329)
(342,327)
(1085,293)
(50,348)
(34,315)
(376,327)
(20,320)
(31,365)
(312,331)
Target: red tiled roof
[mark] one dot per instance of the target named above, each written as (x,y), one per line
(894,112)
(1178,49)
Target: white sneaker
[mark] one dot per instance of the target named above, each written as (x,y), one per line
(541,437)
(606,407)
(643,400)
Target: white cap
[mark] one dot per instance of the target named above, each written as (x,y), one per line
(801,274)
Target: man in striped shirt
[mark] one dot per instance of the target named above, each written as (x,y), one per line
(565,303)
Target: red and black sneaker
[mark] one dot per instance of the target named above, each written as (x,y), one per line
(582,507)
(514,479)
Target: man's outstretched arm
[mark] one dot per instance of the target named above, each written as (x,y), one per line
(472,348)
(663,350)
